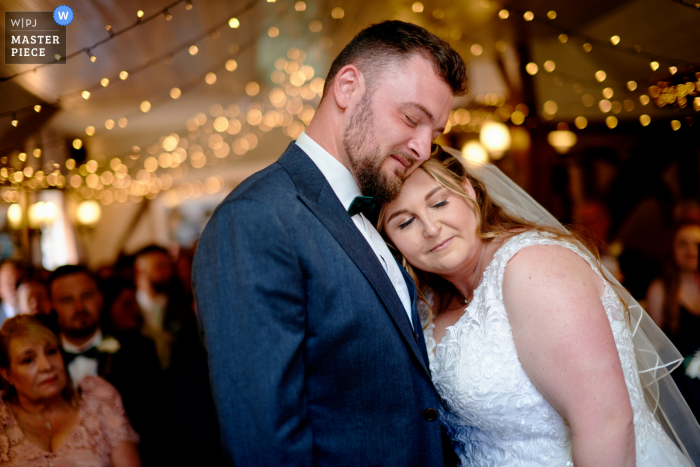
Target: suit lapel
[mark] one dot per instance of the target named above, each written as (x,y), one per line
(318,196)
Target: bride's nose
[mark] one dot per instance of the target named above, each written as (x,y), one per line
(431,227)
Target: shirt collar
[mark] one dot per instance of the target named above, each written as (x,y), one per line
(94,342)
(338,176)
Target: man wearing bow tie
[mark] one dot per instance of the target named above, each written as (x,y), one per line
(316,351)
(132,368)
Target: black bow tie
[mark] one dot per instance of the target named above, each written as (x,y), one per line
(366,206)
(92,353)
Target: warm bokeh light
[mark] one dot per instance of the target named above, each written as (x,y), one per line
(14,216)
(475,151)
(495,137)
(561,140)
(252,88)
(531,68)
(89,213)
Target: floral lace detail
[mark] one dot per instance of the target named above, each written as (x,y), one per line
(102,425)
(492,411)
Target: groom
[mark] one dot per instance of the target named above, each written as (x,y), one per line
(316,351)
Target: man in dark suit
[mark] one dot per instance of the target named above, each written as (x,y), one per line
(316,351)
(132,366)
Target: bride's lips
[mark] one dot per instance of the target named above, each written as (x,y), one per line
(442,245)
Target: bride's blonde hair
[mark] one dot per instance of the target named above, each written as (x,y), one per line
(492,222)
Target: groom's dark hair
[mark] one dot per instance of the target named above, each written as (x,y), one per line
(374,46)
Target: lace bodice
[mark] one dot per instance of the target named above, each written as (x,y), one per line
(492,411)
(102,425)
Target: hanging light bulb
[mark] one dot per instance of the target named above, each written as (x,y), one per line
(188,5)
(14,122)
(37,108)
(167,15)
(93,59)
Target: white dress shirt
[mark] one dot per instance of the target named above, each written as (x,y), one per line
(8,309)
(81,366)
(345,188)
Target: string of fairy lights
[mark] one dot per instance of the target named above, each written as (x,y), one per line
(661,94)
(231,132)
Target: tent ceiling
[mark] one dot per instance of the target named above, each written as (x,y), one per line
(665,28)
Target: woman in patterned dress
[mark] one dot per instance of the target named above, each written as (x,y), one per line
(44,421)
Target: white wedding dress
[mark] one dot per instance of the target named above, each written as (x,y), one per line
(493,413)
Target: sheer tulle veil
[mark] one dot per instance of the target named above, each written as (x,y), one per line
(656,355)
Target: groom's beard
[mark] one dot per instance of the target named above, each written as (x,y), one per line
(366,159)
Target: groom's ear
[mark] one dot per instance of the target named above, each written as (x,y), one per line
(348,85)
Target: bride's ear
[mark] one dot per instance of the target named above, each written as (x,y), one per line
(469,188)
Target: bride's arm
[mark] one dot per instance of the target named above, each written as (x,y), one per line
(565,343)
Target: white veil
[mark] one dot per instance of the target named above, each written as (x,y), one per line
(656,355)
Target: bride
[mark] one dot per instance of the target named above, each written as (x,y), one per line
(539,367)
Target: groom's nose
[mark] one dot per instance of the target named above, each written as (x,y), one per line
(420,146)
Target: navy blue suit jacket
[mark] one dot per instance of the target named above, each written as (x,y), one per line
(313,359)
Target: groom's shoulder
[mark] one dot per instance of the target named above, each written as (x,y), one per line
(272,186)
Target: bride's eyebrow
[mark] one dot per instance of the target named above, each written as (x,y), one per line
(397,213)
(432,192)
(403,211)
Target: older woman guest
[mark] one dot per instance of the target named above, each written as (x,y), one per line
(45,422)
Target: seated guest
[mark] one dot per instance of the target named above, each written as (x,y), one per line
(11,272)
(33,297)
(673,302)
(130,366)
(122,313)
(45,421)
(170,320)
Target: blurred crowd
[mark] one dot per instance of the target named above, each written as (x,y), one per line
(132,368)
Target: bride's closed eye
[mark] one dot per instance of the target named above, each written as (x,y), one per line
(406,223)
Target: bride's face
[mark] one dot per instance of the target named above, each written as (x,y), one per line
(432,227)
